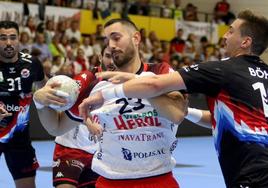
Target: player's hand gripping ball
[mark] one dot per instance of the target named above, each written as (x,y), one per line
(69,89)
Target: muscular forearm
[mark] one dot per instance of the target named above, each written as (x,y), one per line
(148,87)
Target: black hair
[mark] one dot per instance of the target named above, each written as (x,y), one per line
(123,21)
(9,25)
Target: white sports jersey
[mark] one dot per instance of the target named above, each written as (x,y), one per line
(78,138)
(136,142)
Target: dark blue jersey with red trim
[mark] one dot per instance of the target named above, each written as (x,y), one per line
(237,97)
(16,80)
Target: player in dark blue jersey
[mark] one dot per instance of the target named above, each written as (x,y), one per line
(18,72)
(236,91)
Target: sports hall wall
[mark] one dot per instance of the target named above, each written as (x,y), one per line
(159,25)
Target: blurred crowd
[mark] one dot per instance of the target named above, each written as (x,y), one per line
(161,8)
(64,50)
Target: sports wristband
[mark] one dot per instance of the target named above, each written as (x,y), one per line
(194,115)
(111,93)
(62,94)
(38,105)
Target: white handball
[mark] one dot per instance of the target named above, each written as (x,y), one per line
(69,89)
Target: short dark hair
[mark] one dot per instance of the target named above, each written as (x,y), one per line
(9,25)
(255,27)
(123,21)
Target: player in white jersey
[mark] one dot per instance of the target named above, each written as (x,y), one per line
(74,150)
(162,175)
(136,146)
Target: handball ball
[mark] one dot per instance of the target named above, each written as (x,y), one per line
(69,89)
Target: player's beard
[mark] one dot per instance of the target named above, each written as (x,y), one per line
(9,52)
(123,58)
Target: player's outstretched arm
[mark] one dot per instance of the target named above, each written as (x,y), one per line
(148,87)
(56,123)
(142,87)
(172,106)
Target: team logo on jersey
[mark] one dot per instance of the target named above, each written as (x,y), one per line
(59,175)
(12,70)
(1,77)
(12,107)
(173,146)
(127,154)
(77,164)
(25,73)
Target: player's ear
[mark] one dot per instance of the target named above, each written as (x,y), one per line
(136,38)
(100,58)
(247,42)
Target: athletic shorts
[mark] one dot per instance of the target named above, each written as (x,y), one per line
(73,166)
(20,155)
(161,181)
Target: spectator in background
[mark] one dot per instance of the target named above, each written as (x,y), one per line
(140,7)
(94,62)
(222,12)
(186,61)
(190,48)
(30,28)
(190,12)
(96,45)
(211,53)
(42,46)
(25,44)
(57,63)
(65,43)
(203,43)
(144,45)
(166,8)
(99,32)
(55,48)
(81,62)
(74,31)
(86,46)
(154,41)
(177,44)
(74,45)
(61,26)
(49,30)
(221,48)
(175,63)
(165,51)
